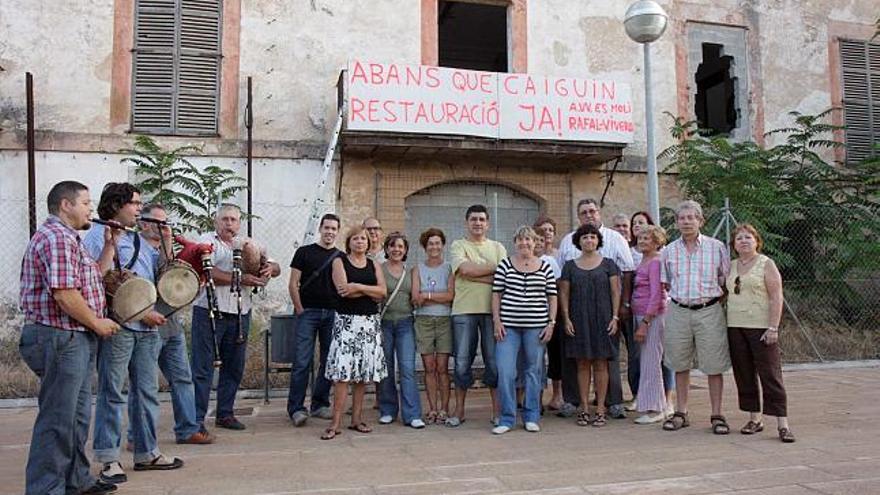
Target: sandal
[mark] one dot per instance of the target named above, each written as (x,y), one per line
(360,428)
(431,417)
(330,434)
(677,421)
(160,463)
(752,427)
(599,420)
(719,425)
(583,418)
(442,416)
(786,435)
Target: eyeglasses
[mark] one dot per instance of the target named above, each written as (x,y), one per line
(736,285)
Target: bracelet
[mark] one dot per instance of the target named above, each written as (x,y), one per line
(772,329)
(616,318)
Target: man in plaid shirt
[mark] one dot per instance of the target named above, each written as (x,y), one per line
(694,270)
(62,297)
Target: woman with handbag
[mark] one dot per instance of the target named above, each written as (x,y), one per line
(398,339)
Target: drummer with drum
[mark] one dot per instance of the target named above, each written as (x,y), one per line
(177,286)
(129,273)
(229,328)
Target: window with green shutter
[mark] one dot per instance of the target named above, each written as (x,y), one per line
(860,66)
(176,76)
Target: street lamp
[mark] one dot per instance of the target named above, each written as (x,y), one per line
(645,21)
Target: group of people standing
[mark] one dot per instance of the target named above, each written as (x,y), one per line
(677,307)
(573,302)
(68,335)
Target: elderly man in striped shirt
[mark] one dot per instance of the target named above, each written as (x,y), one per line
(694,268)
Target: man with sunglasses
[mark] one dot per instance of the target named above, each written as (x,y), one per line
(694,270)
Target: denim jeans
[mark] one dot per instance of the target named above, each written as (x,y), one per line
(398,338)
(466,330)
(312,324)
(136,355)
(64,360)
(232,356)
(174,364)
(506,353)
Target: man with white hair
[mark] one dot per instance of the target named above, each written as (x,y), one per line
(694,269)
(227,223)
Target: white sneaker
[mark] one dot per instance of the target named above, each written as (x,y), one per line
(532,427)
(500,430)
(647,419)
(386,420)
(417,424)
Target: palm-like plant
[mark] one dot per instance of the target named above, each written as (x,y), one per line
(207,189)
(158,171)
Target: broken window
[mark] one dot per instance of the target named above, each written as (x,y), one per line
(715,104)
(472,36)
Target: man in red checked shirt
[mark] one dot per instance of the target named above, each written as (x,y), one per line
(62,296)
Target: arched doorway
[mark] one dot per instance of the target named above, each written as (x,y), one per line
(443,206)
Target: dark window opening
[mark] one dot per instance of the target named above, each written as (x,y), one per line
(472,36)
(716,102)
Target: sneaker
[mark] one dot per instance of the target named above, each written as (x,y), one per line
(230,423)
(160,463)
(453,421)
(532,427)
(417,423)
(299,418)
(113,473)
(386,419)
(99,488)
(500,430)
(567,410)
(323,413)
(617,411)
(647,419)
(198,438)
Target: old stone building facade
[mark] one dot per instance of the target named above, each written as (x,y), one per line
(739,66)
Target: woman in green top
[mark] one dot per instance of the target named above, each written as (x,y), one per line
(398,338)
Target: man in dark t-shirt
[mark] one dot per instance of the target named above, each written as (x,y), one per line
(314,302)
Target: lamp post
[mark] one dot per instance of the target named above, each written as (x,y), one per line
(645,21)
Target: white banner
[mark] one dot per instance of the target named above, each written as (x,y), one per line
(434,100)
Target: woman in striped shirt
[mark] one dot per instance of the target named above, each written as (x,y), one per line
(524,312)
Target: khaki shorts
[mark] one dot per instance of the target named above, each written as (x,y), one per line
(433,334)
(696,339)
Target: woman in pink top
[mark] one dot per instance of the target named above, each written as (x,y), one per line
(649,306)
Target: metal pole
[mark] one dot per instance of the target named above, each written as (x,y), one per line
(31,145)
(653,188)
(249,123)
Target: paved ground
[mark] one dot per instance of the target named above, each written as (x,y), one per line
(833,412)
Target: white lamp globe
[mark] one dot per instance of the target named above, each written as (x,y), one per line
(645,21)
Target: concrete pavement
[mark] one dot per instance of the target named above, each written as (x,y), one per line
(833,413)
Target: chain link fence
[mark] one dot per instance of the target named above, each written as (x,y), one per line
(830,269)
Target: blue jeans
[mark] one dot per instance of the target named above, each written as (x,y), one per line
(174,364)
(398,337)
(136,355)
(311,324)
(466,330)
(64,360)
(506,353)
(232,356)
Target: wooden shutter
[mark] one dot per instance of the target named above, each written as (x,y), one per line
(860,66)
(198,80)
(153,78)
(176,83)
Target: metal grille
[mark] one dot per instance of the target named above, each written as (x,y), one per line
(411,200)
(176,83)
(860,66)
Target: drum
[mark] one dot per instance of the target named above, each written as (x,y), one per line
(178,284)
(129,297)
